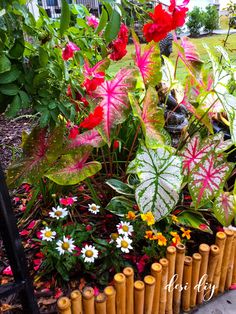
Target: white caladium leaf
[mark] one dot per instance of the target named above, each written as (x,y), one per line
(160,175)
(207,178)
(196,149)
(224,208)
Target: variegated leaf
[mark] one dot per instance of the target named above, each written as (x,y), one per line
(148,62)
(160,175)
(72,169)
(91,138)
(112,96)
(207,178)
(224,208)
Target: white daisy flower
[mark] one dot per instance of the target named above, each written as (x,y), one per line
(93,208)
(125,228)
(65,245)
(113,237)
(58,212)
(89,253)
(48,234)
(124,243)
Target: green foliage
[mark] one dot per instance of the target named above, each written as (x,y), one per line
(211,18)
(195,21)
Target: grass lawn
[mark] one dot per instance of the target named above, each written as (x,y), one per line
(211,41)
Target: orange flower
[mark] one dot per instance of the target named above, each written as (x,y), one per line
(186,233)
(160,238)
(149,218)
(176,238)
(149,235)
(130,215)
(174,218)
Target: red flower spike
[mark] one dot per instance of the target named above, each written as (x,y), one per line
(68,51)
(94,119)
(118,46)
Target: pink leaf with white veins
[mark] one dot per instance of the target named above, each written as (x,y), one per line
(207,179)
(112,96)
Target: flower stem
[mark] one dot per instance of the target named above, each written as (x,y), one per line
(132,146)
(93,192)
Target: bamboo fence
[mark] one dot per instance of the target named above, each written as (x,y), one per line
(175,283)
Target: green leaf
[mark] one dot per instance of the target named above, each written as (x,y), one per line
(113,27)
(120,206)
(102,22)
(24,99)
(224,208)
(65,17)
(10,76)
(43,57)
(14,107)
(194,219)
(5,64)
(120,187)
(17,50)
(160,175)
(9,89)
(72,169)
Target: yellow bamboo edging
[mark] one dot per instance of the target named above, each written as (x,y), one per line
(234,269)
(171,256)
(191,279)
(129,274)
(187,278)
(179,267)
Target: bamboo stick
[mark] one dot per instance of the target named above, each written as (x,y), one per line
(149,293)
(231,265)
(120,285)
(179,267)
(220,242)
(76,302)
(164,278)
(171,256)
(204,250)
(197,258)
(187,277)
(139,290)
(129,274)
(110,293)
(213,260)
(225,262)
(156,272)
(64,305)
(234,270)
(100,304)
(88,300)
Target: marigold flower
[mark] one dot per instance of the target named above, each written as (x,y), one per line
(160,238)
(130,215)
(176,238)
(68,51)
(149,234)
(94,119)
(149,218)
(174,218)
(186,233)
(89,253)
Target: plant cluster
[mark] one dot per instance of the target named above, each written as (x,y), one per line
(111,182)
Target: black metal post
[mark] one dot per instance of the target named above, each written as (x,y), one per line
(15,253)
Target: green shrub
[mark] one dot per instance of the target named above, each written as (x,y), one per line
(211,18)
(195,21)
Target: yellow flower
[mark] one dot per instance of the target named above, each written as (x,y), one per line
(149,235)
(176,238)
(186,233)
(160,238)
(149,218)
(174,218)
(130,215)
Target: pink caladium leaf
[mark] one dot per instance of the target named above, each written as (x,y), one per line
(207,179)
(74,168)
(224,208)
(148,62)
(112,96)
(89,138)
(196,149)
(100,67)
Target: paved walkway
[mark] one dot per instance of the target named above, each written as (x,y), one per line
(225,304)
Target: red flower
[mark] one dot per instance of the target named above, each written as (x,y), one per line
(163,21)
(32,224)
(7,271)
(92,84)
(88,228)
(142,262)
(84,101)
(58,293)
(116,144)
(94,119)
(203,226)
(24,232)
(74,132)
(68,51)
(118,46)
